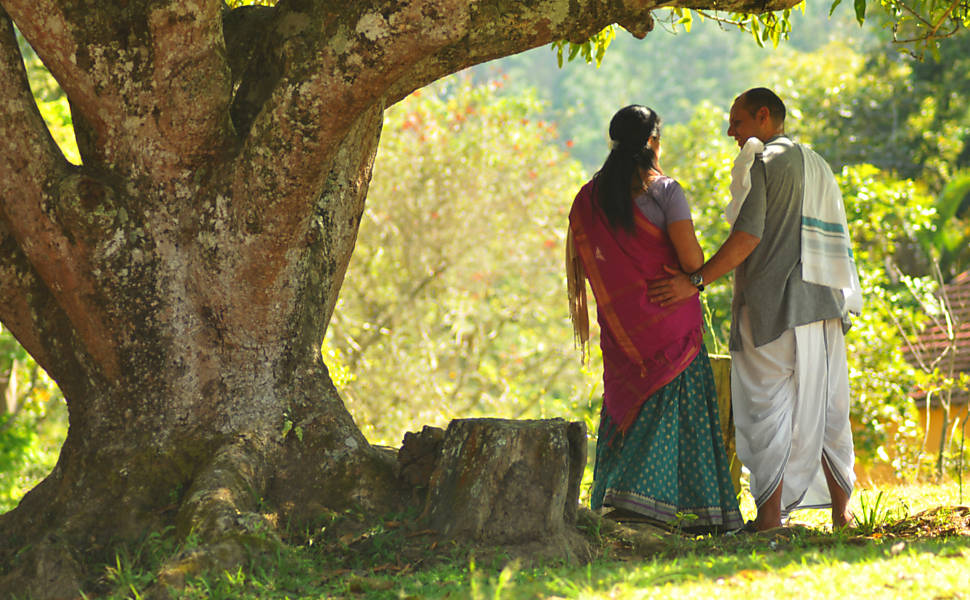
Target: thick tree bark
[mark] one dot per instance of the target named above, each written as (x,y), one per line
(178,284)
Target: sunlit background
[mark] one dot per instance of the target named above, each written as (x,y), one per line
(454,302)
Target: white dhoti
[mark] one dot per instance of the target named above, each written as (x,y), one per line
(791,412)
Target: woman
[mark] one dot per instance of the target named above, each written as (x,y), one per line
(659,455)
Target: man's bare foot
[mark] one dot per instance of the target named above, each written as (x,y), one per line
(768,518)
(767,526)
(769,513)
(842,519)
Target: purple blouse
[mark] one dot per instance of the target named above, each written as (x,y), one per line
(664,202)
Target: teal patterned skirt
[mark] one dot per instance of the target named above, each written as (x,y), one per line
(671,462)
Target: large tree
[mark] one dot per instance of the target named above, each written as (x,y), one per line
(178,283)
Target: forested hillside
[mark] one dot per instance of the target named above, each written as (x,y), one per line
(674,71)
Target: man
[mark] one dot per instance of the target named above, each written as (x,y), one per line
(789,377)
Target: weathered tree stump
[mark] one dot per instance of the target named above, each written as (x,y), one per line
(419,455)
(721,365)
(510,483)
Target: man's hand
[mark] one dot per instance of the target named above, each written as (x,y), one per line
(678,287)
(674,289)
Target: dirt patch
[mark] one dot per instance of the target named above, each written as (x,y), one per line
(942,521)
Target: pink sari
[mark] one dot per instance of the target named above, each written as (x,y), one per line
(645,346)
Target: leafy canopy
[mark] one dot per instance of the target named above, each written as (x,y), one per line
(917,25)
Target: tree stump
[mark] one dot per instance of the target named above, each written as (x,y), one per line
(508,482)
(721,366)
(419,455)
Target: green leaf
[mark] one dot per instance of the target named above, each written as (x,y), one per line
(860,10)
(591,50)
(686,19)
(756,32)
(601,41)
(833,7)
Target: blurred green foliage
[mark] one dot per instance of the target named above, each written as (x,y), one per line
(454,301)
(700,159)
(51,101)
(33,422)
(671,70)
(948,240)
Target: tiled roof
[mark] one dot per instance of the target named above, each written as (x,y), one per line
(934,339)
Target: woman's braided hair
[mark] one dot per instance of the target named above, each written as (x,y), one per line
(630,131)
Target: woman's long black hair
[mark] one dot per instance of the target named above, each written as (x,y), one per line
(630,131)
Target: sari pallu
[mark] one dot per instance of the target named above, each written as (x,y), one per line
(645,346)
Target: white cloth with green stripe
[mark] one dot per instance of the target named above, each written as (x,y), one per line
(826,250)
(827,257)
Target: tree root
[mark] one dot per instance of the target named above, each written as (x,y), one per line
(47,569)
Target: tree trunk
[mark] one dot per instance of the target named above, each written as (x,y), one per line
(177,285)
(217,423)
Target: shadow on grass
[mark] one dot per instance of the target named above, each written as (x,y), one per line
(394,560)
(348,556)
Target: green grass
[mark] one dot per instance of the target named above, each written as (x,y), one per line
(336,561)
(930,569)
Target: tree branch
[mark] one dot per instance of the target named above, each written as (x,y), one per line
(334,62)
(499,29)
(30,312)
(21,123)
(325,63)
(32,170)
(27,158)
(495,29)
(15,312)
(923,23)
(148,81)
(330,62)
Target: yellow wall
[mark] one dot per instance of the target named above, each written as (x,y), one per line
(932,441)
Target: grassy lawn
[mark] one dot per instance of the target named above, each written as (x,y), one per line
(898,553)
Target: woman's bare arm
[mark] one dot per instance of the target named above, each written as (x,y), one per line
(689,252)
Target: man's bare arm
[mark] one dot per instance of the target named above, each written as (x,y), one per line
(678,287)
